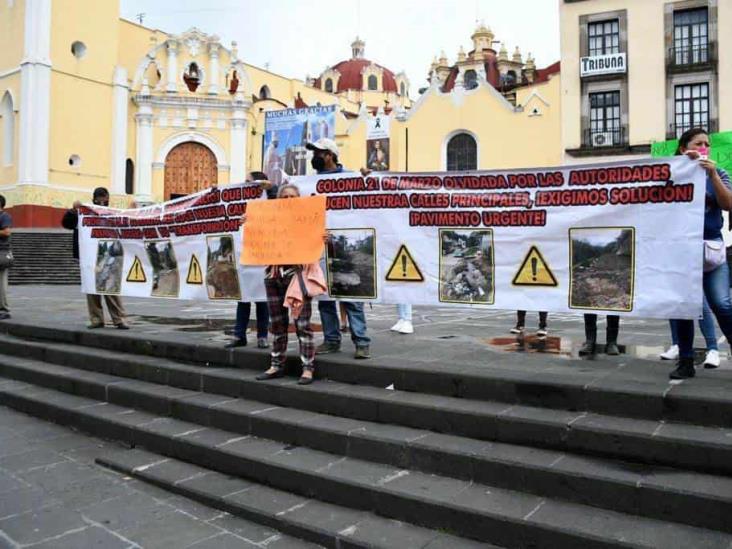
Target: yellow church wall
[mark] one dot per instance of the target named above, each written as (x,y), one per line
(81,124)
(11,35)
(134,43)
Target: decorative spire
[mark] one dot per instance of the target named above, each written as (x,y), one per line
(461,55)
(358,48)
(517,56)
(443,59)
(530,63)
(503,53)
(234,50)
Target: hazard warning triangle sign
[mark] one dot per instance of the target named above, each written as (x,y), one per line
(404,268)
(137,273)
(534,271)
(195,274)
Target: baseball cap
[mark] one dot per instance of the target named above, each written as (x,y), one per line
(323,144)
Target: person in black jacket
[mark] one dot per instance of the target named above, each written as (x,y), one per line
(93,301)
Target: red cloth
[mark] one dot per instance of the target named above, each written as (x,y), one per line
(315,285)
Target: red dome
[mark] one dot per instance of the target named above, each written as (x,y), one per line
(352,79)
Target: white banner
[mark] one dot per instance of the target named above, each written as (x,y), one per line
(622,238)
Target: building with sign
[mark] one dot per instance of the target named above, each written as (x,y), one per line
(637,72)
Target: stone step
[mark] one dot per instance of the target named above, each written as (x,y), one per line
(309,519)
(636,392)
(651,491)
(493,515)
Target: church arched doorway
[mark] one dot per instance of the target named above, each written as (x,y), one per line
(189,167)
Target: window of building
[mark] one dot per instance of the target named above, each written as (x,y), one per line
(7,118)
(78,49)
(510,79)
(462,153)
(264,92)
(691,107)
(470,79)
(691,36)
(129,176)
(604,37)
(192,77)
(402,89)
(329,85)
(605,118)
(74,161)
(373,82)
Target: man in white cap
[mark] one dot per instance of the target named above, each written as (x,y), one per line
(325,161)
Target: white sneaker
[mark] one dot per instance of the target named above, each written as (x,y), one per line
(671,354)
(712,359)
(398,326)
(517,330)
(406,327)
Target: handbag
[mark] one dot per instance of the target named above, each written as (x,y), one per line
(715,254)
(6,260)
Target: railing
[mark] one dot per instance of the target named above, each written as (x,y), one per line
(688,56)
(675,130)
(600,139)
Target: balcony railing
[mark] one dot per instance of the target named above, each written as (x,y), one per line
(689,56)
(675,130)
(602,139)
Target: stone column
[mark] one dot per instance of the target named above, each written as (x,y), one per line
(172,80)
(35,94)
(144,154)
(238,152)
(120,94)
(213,67)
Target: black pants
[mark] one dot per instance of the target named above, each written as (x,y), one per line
(613,327)
(521,318)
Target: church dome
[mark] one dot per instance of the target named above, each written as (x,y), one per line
(352,73)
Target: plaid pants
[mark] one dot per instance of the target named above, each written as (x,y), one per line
(279,321)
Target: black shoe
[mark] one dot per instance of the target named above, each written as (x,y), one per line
(588,348)
(684,370)
(612,349)
(122,326)
(271,375)
(238,342)
(4,316)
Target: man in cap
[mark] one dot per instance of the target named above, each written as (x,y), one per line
(93,301)
(325,161)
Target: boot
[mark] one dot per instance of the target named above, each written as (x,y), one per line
(611,348)
(611,335)
(588,348)
(684,370)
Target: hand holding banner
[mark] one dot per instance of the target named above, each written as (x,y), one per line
(284,232)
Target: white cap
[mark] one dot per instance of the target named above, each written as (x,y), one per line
(323,144)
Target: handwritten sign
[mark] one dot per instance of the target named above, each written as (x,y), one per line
(286,231)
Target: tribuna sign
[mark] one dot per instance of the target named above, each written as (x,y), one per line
(613,63)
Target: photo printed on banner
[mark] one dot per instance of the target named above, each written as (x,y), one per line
(108,268)
(602,272)
(377,154)
(165,279)
(222,280)
(351,263)
(466,266)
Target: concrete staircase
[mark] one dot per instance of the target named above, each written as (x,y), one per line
(43,258)
(446,459)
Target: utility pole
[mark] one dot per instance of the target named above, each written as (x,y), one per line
(140,17)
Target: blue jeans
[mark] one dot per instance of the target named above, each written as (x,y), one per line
(716,291)
(243,311)
(356,320)
(706,325)
(404,310)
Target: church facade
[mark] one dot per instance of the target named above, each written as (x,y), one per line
(152,115)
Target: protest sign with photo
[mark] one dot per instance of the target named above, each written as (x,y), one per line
(623,237)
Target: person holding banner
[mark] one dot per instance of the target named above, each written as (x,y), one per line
(277,279)
(93,301)
(6,258)
(325,161)
(695,144)
(521,323)
(706,325)
(611,335)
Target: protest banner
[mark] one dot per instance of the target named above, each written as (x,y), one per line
(623,237)
(377,142)
(284,232)
(286,132)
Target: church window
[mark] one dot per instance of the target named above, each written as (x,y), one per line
(373,82)
(7,117)
(192,77)
(78,49)
(74,161)
(129,176)
(264,92)
(510,79)
(462,153)
(329,85)
(470,79)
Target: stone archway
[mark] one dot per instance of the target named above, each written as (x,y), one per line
(189,167)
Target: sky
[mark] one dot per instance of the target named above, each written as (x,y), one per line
(296,38)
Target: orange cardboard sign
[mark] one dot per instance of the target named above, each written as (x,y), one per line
(286,231)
